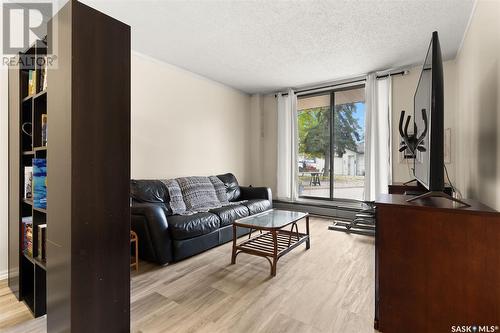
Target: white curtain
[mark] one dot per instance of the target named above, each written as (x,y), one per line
(378,163)
(287,146)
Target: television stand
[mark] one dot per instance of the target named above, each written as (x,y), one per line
(439,194)
(435,265)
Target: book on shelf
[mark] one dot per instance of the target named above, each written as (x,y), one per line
(43,75)
(27,232)
(31,82)
(28,182)
(42,234)
(33,88)
(44,130)
(40,183)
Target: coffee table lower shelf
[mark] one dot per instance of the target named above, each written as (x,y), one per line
(271,245)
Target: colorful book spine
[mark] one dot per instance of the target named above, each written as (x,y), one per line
(44,75)
(27,232)
(32,82)
(28,182)
(44,130)
(42,229)
(40,183)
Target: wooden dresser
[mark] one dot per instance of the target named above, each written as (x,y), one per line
(436,266)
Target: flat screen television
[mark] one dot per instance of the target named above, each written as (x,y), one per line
(429,120)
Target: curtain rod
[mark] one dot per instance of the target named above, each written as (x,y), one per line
(404,72)
(323,87)
(392,74)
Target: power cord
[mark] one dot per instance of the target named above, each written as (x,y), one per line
(451,184)
(410,171)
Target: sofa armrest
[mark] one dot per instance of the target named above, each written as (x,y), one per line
(249,193)
(150,223)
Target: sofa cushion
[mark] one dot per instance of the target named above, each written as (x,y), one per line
(189,226)
(228,214)
(257,205)
(232,186)
(153,191)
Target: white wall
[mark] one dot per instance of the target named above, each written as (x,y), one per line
(3,172)
(403,90)
(267,138)
(478,116)
(256,137)
(185,125)
(4,148)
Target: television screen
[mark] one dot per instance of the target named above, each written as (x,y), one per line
(422,101)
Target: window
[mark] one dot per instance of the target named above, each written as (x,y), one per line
(331,127)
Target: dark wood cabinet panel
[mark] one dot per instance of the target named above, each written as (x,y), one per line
(436,266)
(101,172)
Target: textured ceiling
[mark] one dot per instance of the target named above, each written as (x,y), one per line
(263,46)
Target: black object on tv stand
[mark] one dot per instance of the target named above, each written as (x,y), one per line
(438,194)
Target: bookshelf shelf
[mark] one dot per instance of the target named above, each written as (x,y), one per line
(40,263)
(33,96)
(39,94)
(27,201)
(35,261)
(29,152)
(40,210)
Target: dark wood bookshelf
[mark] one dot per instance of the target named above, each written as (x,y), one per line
(31,279)
(88,205)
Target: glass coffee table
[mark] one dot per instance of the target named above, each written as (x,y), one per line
(274,240)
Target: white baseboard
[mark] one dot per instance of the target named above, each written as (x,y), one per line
(4,275)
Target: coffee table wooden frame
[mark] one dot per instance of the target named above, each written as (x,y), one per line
(273,244)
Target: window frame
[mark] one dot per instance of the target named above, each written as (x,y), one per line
(331,92)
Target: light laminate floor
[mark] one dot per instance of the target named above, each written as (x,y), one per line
(11,311)
(329,288)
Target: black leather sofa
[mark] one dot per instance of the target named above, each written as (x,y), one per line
(164,237)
